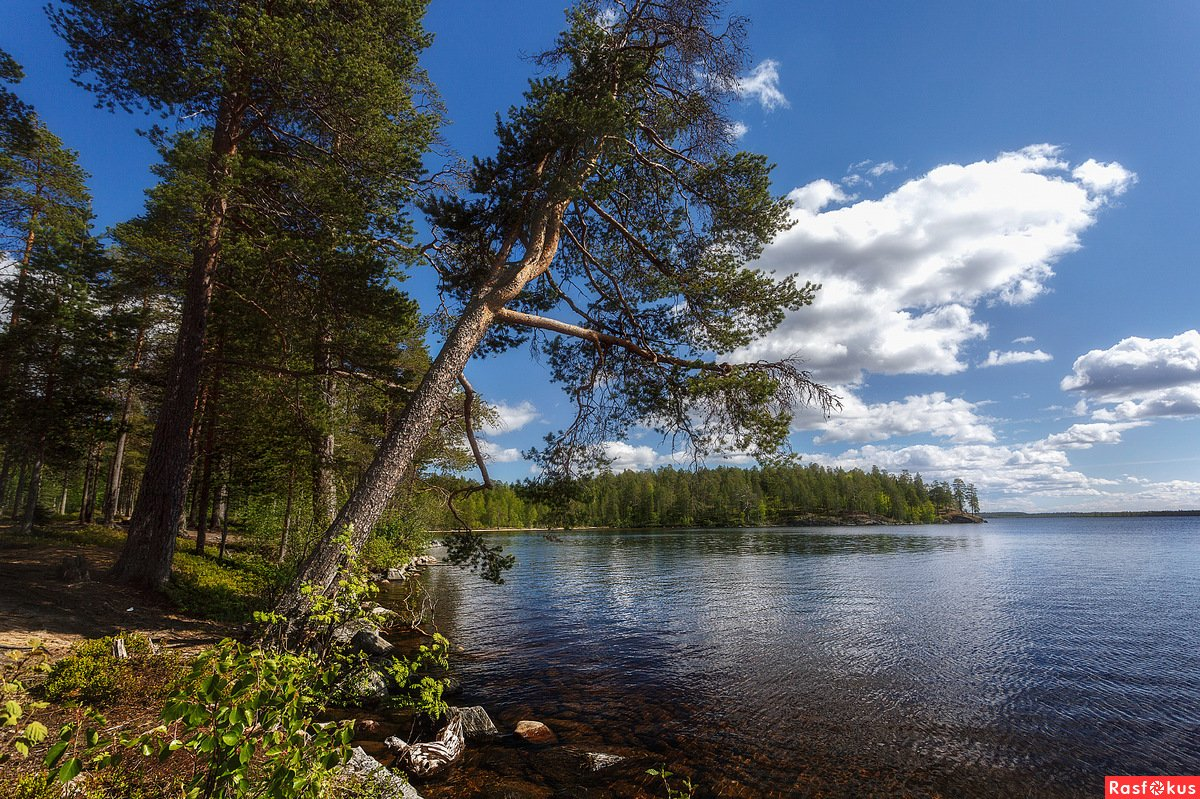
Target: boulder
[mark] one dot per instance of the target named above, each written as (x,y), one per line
(600,760)
(476,723)
(453,686)
(396,574)
(344,633)
(535,732)
(370,642)
(372,772)
(364,686)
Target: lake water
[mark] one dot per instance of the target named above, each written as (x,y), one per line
(1021,658)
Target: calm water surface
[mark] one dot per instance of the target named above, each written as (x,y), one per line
(1020,658)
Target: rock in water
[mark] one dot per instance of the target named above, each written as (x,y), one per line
(475,722)
(426,759)
(371,643)
(364,686)
(535,732)
(371,771)
(599,760)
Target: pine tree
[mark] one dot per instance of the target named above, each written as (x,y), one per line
(309,77)
(614,197)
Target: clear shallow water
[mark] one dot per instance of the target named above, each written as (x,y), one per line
(1020,658)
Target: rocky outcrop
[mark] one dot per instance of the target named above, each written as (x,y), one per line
(371,643)
(363,687)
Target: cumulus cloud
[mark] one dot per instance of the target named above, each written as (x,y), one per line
(1085,436)
(934,414)
(817,195)
(1024,340)
(498,454)
(996,358)
(762,84)
(510,417)
(902,274)
(1141,378)
(624,457)
(1108,180)
(737,130)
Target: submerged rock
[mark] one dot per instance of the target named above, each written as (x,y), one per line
(535,732)
(476,723)
(599,760)
(374,773)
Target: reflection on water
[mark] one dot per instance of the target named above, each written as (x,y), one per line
(1023,658)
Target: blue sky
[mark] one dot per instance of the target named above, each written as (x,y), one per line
(999,198)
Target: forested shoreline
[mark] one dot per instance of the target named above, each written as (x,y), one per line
(718,497)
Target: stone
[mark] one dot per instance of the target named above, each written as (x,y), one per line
(370,642)
(396,574)
(371,771)
(600,760)
(364,686)
(476,723)
(535,732)
(453,686)
(364,727)
(344,633)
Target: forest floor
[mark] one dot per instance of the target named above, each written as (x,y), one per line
(36,602)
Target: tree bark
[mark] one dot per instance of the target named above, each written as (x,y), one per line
(112,491)
(281,555)
(34,490)
(20,493)
(324,490)
(150,547)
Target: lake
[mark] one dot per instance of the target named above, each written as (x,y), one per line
(1021,658)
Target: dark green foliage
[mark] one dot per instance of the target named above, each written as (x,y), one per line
(229,590)
(719,497)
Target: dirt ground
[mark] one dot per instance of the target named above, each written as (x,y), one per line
(36,603)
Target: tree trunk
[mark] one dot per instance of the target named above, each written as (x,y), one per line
(62,498)
(281,555)
(112,491)
(34,490)
(150,547)
(88,512)
(20,493)
(202,518)
(324,490)
(87,485)
(398,449)
(5,473)
(221,515)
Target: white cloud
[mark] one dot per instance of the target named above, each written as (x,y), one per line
(1108,180)
(498,454)
(996,358)
(738,129)
(1141,378)
(510,417)
(817,195)
(902,274)
(762,84)
(954,419)
(879,170)
(625,457)
(1085,436)
(1024,340)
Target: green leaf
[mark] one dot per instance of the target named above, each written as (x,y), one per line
(55,754)
(70,770)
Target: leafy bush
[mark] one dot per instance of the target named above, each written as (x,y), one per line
(413,686)
(14,710)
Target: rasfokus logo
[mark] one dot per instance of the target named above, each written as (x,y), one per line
(1152,786)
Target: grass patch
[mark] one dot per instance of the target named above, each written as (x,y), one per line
(92,675)
(227,591)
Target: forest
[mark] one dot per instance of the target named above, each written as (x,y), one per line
(717,497)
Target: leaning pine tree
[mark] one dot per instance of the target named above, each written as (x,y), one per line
(614,226)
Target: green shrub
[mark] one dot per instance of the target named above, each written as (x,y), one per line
(92,675)
(231,591)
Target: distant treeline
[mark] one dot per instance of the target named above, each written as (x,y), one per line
(1100,514)
(718,497)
